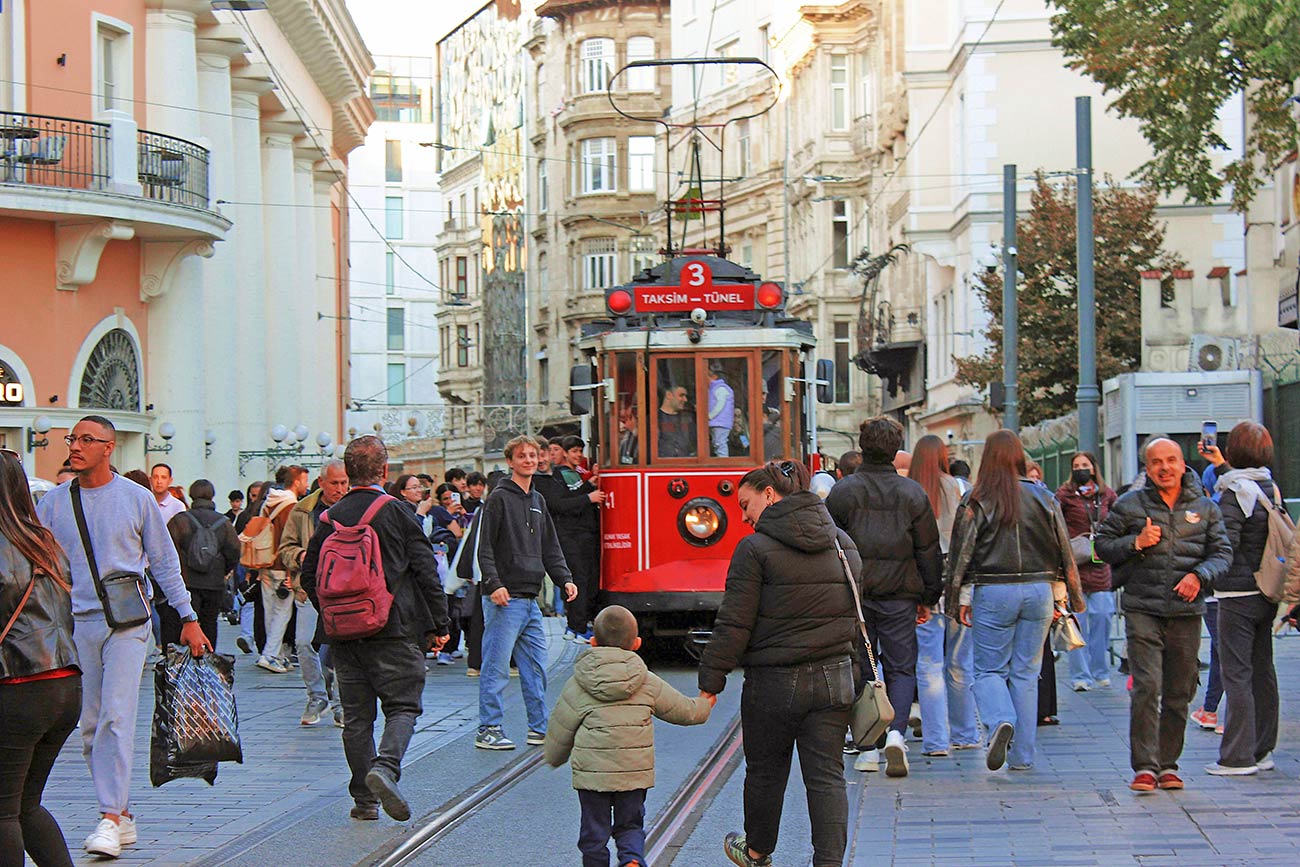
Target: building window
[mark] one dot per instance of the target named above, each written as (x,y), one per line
(840,234)
(543,280)
(462,277)
(598,258)
(543,380)
(642,78)
(396,329)
(864,84)
(393,217)
(644,253)
(464,209)
(443,274)
(597,64)
(393,161)
(747,254)
(462,346)
(543,189)
(115,67)
(598,165)
(839,92)
(641,163)
(842,355)
(397,383)
(390,273)
(444,343)
(742,148)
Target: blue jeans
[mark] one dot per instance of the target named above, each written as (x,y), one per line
(1214,682)
(515,627)
(1091,664)
(1010,626)
(944,684)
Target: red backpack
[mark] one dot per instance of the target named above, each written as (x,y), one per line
(350,586)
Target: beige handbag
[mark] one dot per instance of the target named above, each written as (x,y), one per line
(1066,634)
(872,713)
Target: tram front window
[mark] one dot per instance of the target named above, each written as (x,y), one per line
(676,415)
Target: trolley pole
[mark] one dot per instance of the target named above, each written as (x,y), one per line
(1010,304)
(1087,396)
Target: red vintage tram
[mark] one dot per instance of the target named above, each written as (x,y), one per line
(698,377)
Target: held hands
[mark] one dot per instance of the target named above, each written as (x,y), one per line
(570,591)
(922,614)
(1150,535)
(1189,588)
(500,597)
(192,637)
(963,615)
(424,507)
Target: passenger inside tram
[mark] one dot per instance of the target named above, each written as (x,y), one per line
(627,444)
(676,423)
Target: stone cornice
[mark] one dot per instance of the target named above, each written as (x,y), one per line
(562,9)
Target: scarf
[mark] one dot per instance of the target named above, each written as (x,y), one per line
(1245,484)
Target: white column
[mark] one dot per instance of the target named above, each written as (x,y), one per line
(315,416)
(249,286)
(221,314)
(284,384)
(329,333)
(175,382)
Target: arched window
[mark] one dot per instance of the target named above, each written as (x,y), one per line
(640,48)
(111,379)
(597,64)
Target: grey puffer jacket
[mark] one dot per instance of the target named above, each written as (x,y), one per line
(1192,540)
(787,601)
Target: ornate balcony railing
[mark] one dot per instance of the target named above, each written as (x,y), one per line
(53,151)
(173,169)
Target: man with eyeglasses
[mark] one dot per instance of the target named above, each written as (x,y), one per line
(127,531)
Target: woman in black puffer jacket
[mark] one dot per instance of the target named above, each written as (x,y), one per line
(787,616)
(1246,493)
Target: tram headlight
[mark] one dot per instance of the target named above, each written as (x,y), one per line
(702,521)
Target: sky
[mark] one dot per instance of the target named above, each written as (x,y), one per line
(411,27)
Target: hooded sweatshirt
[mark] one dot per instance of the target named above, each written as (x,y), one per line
(516,544)
(602,723)
(787,600)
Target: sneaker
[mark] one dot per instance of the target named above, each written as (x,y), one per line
(850,746)
(272,665)
(936,754)
(365,812)
(126,830)
(315,707)
(244,644)
(471,672)
(458,654)
(535,738)
(1020,767)
(1080,686)
(1218,730)
(966,746)
(514,671)
(998,743)
(1143,781)
(1104,683)
(1219,770)
(105,840)
(445,659)
(1170,780)
(385,788)
(895,755)
(1266,763)
(867,760)
(493,738)
(1206,719)
(738,851)
(338,717)
(583,637)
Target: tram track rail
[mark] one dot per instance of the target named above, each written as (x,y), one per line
(665,836)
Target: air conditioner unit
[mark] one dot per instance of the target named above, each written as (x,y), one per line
(1210,354)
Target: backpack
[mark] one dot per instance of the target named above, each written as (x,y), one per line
(203,551)
(1270,577)
(257,542)
(350,587)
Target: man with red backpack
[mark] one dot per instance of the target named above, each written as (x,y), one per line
(380,614)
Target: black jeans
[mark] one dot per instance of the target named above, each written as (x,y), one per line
(1162,653)
(474,635)
(617,814)
(1246,666)
(582,553)
(35,719)
(207,605)
(891,623)
(806,705)
(459,617)
(1047,682)
(390,671)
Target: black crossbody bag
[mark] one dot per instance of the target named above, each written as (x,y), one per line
(122,593)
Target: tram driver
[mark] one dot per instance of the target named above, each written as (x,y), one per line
(676,424)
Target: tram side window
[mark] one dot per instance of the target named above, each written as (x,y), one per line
(675,417)
(727,409)
(773,398)
(628,413)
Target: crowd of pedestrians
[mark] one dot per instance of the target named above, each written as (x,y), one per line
(957,588)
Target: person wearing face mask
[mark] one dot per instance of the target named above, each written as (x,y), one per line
(1086,501)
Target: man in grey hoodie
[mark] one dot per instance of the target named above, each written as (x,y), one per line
(516,546)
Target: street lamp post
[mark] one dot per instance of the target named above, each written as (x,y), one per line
(1087,396)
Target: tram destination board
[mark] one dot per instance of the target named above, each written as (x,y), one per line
(696,289)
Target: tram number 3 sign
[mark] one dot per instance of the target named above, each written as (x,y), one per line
(697,289)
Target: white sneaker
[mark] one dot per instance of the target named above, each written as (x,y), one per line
(867,760)
(272,665)
(1266,763)
(1219,770)
(126,830)
(895,755)
(105,840)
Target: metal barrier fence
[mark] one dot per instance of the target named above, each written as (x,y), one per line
(53,151)
(173,170)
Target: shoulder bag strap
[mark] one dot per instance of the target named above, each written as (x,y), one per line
(380,501)
(857,606)
(75,491)
(13,618)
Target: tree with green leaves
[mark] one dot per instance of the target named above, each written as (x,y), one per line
(1174,63)
(1129,239)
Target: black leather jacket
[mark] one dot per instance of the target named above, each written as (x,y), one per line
(41,638)
(1035,548)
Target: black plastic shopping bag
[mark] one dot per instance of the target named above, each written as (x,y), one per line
(195,724)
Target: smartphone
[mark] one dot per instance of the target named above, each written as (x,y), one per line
(440,548)
(1209,435)
(455,497)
